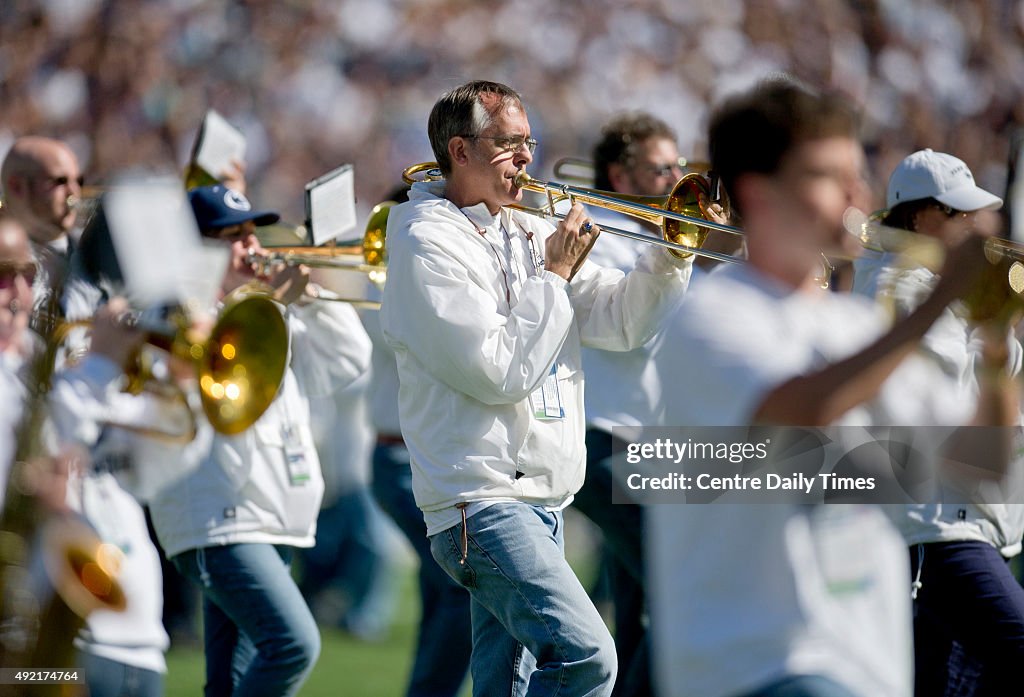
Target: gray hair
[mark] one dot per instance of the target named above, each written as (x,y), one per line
(462,112)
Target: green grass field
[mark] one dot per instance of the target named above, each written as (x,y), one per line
(351,668)
(347,667)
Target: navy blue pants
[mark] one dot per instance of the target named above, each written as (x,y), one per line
(968,621)
(622,526)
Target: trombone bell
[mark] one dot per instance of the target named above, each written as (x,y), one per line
(243,362)
(368,256)
(82,568)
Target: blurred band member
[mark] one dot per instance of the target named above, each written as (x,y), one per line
(39,178)
(792,599)
(17,272)
(636,155)
(969,609)
(231,524)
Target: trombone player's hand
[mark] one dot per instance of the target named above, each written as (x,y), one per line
(289,282)
(567,247)
(114,334)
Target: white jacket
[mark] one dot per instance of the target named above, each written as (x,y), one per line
(478,325)
(228,489)
(956,348)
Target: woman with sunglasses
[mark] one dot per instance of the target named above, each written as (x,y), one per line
(17,271)
(969,609)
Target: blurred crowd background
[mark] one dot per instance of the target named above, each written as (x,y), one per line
(317,83)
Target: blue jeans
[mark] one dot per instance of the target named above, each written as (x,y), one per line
(622,526)
(107,678)
(534,625)
(260,637)
(445,642)
(352,554)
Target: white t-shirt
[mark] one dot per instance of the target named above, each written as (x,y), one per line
(955,346)
(745,594)
(135,636)
(623,388)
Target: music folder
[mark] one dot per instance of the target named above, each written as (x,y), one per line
(157,243)
(217,145)
(331,206)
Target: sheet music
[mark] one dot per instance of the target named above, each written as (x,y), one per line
(201,280)
(219,143)
(155,238)
(331,205)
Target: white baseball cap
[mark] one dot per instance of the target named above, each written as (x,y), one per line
(930,174)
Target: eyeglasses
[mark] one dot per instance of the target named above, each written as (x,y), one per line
(10,271)
(663,170)
(949,211)
(510,143)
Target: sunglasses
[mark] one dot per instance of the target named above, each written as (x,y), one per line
(64,181)
(10,271)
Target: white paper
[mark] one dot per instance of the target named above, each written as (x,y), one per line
(204,273)
(331,205)
(219,144)
(155,238)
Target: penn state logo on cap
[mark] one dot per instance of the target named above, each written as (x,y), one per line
(236,201)
(218,206)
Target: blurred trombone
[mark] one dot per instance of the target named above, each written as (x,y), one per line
(368,256)
(239,365)
(999,293)
(579,170)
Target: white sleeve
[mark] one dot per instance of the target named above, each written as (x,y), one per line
(330,347)
(620,312)
(445,314)
(79,400)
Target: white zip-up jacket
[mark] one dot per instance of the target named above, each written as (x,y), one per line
(478,325)
(222,489)
(956,348)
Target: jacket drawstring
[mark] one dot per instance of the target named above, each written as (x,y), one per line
(916,585)
(465,534)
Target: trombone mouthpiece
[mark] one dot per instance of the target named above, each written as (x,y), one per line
(522,178)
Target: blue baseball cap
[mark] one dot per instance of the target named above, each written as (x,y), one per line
(218,206)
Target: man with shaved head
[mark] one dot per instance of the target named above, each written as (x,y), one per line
(38,178)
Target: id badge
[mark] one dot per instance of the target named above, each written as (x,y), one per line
(295,455)
(546,399)
(840,543)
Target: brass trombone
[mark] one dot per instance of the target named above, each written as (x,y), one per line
(580,170)
(239,366)
(999,293)
(680,214)
(368,256)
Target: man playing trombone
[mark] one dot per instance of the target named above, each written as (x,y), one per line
(637,156)
(487,316)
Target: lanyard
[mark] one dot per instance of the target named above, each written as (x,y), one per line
(538,262)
